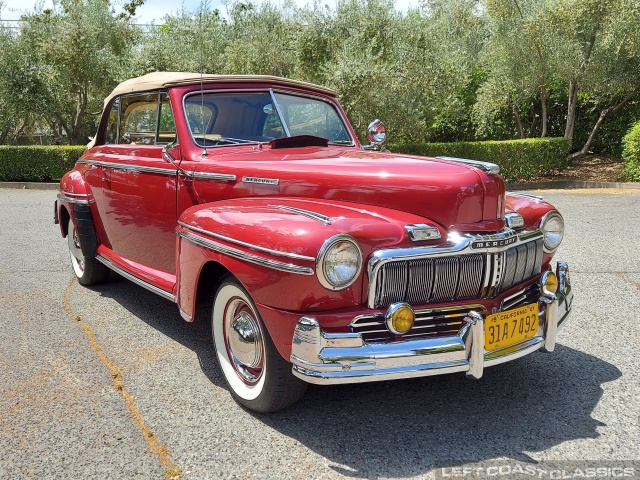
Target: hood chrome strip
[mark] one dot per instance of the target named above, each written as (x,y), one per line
(307,213)
(486,167)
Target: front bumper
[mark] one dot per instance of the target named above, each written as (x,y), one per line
(334,358)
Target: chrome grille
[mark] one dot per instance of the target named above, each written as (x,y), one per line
(429,323)
(456,277)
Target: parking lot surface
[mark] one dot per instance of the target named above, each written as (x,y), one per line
(110,382)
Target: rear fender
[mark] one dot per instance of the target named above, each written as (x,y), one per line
(73,191)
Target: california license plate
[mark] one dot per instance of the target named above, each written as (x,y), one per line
(510,327)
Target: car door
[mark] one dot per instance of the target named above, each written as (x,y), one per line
(134,187)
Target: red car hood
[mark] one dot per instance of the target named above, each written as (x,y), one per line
(457,196)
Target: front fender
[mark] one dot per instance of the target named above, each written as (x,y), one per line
(271,245)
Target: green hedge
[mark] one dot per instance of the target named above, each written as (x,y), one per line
(518,159)
(36,163)
(631,153)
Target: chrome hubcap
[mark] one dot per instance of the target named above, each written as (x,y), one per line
(244,341)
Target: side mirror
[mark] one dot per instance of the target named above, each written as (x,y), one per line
(377,134)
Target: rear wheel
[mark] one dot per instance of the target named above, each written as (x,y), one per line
(89,271)
(258,377)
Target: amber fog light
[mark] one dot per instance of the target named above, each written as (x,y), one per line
(549,283)
(400,318)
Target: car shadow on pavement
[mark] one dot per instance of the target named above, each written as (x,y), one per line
(410,427)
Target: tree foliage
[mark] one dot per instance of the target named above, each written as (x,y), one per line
(451,70)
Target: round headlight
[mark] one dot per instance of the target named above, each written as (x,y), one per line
(553,227)
(339,262)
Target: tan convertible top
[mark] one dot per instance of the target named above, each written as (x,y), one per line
(157,80)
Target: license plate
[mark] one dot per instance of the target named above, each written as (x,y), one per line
(510,327)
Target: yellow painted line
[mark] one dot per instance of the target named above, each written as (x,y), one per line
(628,280)
(172,472)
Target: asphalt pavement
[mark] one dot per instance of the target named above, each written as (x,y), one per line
(110,382)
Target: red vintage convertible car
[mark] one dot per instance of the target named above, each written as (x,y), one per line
(325,261)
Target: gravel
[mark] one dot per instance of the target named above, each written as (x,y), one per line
(64,415)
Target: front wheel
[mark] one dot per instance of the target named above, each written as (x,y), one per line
(258,377)
(88,271)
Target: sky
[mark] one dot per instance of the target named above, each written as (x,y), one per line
(155,10)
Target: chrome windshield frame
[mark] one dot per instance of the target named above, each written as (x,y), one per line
(271,92)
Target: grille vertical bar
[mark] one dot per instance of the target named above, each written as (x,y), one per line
(446,278)
(471,276)
(455,277)
(421,278)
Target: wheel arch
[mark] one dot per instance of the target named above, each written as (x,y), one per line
(64,216)
(209,279)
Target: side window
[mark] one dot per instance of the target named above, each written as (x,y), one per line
(167,127)
(139,119)
(111,134)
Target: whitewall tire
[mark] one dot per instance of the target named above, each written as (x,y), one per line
(258,377)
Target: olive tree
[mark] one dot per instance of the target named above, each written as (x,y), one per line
(599,54)
(63,63)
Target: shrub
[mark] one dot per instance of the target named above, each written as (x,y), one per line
(631,153)
(36,163)
(518,159)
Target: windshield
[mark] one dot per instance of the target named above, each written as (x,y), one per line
(220,118)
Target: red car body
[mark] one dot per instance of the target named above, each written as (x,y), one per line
(178,218)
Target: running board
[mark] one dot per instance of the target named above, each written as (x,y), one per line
(136,280)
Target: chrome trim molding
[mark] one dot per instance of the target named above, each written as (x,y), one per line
(239,254)
(336,358)
(427,323)
(138,281)
(261,181)
(419,232)
(214,177)
(456,244)
(69,194)
(277,253)
(80,200)
(307,213)
(185,316)
(486,167)
(130,167)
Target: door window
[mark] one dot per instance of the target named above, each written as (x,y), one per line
(143,119)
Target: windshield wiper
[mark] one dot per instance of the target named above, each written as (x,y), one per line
(224,141)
